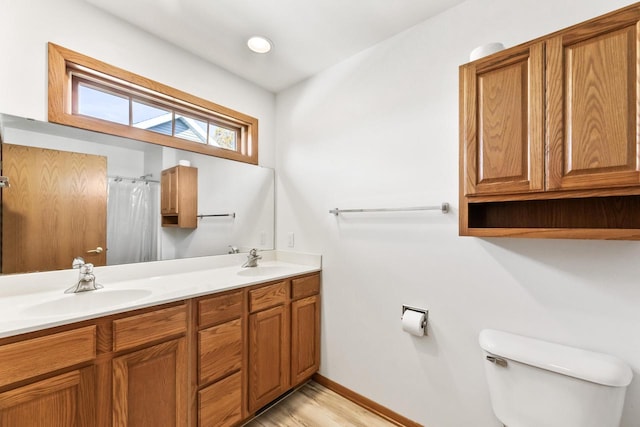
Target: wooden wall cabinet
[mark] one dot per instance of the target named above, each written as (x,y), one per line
(548,140)
(179,197)
(503,117)
(208,361)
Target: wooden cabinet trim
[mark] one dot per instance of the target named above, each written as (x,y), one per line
(134,331)
(37,356)
(219,308)
(268,296)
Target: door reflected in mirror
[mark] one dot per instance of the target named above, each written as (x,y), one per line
(62,204)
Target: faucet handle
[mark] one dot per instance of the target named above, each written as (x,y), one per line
(86,268)
(253,252)
(77,262)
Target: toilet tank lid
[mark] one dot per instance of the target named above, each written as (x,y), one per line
(587,365)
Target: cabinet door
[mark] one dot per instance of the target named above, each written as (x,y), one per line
(502,119)
(592,96)
(268,356)
(150,386)
(305,338)
(62,401)
(169,191)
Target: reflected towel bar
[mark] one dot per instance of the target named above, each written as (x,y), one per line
(232,215)
(143,178)
(444,208)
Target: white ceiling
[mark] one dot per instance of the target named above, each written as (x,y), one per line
(308,35)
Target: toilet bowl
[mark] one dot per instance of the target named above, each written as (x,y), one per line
(534,383)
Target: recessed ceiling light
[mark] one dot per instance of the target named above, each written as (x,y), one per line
(259,44)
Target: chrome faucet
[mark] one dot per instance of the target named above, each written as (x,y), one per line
(252,259)
(86,278)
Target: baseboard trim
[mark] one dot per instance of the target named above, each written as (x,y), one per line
(366,403)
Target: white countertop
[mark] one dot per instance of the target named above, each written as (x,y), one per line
(35,301)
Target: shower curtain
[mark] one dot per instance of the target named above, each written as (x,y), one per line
(132,221)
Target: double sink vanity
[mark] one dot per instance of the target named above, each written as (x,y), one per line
(198,341)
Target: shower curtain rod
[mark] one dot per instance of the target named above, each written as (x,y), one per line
(128,178)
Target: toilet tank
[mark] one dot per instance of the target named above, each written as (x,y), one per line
(535,383)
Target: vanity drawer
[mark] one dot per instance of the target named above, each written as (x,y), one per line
(305,286)
(220,349)
(268,296)
(136,330)
(37,356)
(220,308)
(220,404)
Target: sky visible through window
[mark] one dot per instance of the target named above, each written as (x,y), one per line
(115,108)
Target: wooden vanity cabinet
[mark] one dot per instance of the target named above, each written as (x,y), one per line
(49,378)
(208,361)
(150,384)
(284,337)
(268,343)
(63,400)
(179,197)
(548,140)
(305,328)
(221,359)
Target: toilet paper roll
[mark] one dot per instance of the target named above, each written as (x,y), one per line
(485,50)
(412,322)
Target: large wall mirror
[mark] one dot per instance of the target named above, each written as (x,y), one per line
(82,175)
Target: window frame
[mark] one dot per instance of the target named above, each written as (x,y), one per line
(62,101)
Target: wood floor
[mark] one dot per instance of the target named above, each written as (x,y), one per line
(316,406)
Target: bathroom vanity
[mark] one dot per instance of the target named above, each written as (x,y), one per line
(204,347)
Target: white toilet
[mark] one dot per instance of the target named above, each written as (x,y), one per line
(535,383)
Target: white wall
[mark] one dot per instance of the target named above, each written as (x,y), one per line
(27,26)
(381,129)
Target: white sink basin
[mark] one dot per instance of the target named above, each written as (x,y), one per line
(264,270)
(85,302)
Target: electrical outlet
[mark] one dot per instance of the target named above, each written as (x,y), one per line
(290,239)
(263,238)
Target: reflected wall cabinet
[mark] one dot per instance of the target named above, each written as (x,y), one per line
(179,197)
(548,141)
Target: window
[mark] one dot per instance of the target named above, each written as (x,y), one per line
(89,94)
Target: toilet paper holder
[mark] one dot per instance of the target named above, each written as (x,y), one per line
(419,310)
